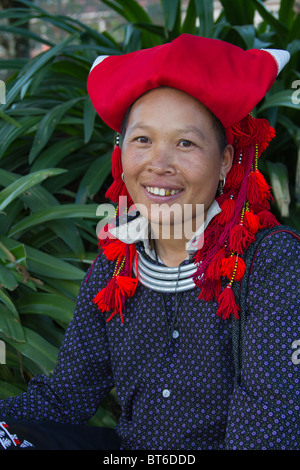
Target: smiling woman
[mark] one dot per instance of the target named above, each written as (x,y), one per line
(172,161)
(182,326)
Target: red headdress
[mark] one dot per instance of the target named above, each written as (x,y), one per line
(230,82)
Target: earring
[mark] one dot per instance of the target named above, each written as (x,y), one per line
(122,176)
(221,185)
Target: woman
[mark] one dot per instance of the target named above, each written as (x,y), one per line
(157,315)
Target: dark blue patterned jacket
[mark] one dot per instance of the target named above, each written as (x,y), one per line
(179,393)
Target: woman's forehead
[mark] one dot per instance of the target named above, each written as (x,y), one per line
(167,104)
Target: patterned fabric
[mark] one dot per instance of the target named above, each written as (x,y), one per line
(177,391)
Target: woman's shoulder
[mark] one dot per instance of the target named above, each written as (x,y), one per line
(279,244)
(101,270)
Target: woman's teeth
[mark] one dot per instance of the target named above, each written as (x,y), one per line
(162,191)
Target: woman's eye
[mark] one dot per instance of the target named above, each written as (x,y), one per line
(142,140)
(185,143)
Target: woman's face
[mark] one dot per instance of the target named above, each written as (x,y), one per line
(171,154)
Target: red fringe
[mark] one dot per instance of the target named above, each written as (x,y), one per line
(105,298)
(252,222)
(240,239)
(214,267)
(228,266)
(267,219)
(114,250)
(227,213)
(235,176)
(210,290)
(227,304)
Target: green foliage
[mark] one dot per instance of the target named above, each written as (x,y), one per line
(56,160)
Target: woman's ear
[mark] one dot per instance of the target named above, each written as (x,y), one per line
(228,156)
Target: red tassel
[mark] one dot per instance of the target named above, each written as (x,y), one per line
(115,190)
(210,290)
(114,250)
(227,304)
(104,236)
(253,194)
(213,269)
(233,265)
(263,187)
(240,239)
(235,176)
(127,285)
(105,298)
(227,213)
(251,222)
(267,219)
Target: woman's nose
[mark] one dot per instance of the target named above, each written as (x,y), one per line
(161,159)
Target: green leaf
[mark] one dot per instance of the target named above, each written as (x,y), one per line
(44,264)
(9,390)
(10,325)
(89,115)
(37,349)
(280,185)
(190,19)
(270,19)
(131,10)
(281,98)
(171,9)
(204,11)
(54,213)
(9,119)
(7,279)
(36,64)
(94,178)
(55,152)
(55,306)
(241,14)
(9,132)
(6,300)
(47,126)
(47,265)
(21,185)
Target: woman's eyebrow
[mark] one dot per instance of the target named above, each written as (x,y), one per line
(193,129)
(138,125)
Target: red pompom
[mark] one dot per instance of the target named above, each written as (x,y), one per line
(105,297)
(235,176)
(227,213)
(210,290)
(114,249)
(251,222)
(240,239)
(213,268)
(267,219)
(127,285)
(231,265)
(227,304)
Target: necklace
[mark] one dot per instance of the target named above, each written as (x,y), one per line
(164,278)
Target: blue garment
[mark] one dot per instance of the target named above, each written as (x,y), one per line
(179,393)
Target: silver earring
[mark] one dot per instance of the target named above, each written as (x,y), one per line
(221,185)
(122,176)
